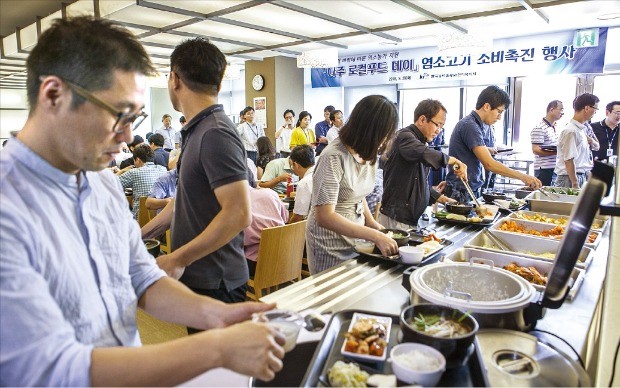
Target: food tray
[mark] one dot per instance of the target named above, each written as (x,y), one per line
(484,222)
(601,220)
(540,227)
(470,374)
(413,240)
(502,259)
(521,244)
(560,204)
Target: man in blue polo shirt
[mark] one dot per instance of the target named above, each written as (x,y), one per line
(467,145)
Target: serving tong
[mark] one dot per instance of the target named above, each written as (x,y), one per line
(496,240)
(469,190)
(547,194)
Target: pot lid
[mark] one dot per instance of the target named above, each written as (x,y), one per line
(514,359)
(575,236)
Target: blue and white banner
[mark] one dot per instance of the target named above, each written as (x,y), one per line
(556,53)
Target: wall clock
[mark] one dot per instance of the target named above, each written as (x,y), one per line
(258,82)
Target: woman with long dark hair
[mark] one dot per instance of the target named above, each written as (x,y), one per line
(343,176)
(266,153)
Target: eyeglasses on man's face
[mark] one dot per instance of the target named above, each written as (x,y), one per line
(123,119)
(439,127)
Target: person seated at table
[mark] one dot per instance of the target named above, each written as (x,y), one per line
(141,178)
(160,156)
(266,153)
(163,191)
(303,134)
(276,175)
(267,211)
(344,175)
(302,164)
(127,163)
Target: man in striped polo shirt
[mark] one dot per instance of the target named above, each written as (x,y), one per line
(544,135)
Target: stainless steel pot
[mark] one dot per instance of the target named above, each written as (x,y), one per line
(495,297)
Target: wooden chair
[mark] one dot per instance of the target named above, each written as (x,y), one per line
(144,214)
(279,257)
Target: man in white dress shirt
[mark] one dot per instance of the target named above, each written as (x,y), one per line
(169,133)
(337,119)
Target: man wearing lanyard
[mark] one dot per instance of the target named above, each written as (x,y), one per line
(250,132)
(168,133)
(574,159)
(544,135)
(321,129)
(607,132)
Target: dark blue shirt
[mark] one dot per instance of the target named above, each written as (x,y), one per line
(161,157)
(320,129)
(468,133)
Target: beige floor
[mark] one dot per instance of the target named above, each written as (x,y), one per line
(154,331)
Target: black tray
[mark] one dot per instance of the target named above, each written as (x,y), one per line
(470,374)
(413,240)
(459,222)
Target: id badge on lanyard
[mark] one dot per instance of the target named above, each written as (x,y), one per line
(610,151)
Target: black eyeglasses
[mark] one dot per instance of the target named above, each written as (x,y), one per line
(438,126)
(123,119)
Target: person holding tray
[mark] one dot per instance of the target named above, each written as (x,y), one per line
(343,176)
(406,191)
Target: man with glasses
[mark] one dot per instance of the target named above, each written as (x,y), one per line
(467,144)
(606,132)
(73,267)
(406,192)
(544,143)
(283,134)
(574,160)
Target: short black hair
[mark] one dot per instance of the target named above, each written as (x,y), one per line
(302,115)
(370,126)
(329,108)
(288,111)
(199,64)
(182,119)
(246,110)
(164,117)
(428,108)
(86,51)
(157,139)
(610,107)
(303,155)
(552,105)
(494,96)
(143,152)
(587,99)
(137,139)
(332,116)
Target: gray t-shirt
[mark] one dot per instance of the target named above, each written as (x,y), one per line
(212,156)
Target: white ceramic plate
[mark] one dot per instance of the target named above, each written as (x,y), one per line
(386,321)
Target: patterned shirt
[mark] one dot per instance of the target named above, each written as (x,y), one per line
(141,180)
(72,268)
(544,135)
(165,186)
(377,192)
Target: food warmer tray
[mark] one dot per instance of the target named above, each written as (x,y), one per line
(483,223)
(502,259)
(521,244)
(413,240)
(540,227)
(560,204)
(599,225)
(470,374)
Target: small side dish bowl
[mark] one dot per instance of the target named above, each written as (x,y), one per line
(152,246)
(400,236)
(417,363)
(364,246)
(411,254)
(459,208)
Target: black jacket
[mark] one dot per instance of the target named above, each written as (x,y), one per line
(406,192)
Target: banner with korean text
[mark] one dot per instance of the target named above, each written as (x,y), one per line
(568,52)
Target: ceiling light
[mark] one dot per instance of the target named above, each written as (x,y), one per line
(455,43)
(318,58)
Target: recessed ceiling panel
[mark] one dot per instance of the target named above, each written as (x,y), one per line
(147,16)
(368,13)
(157,50)
(288,21)
(459,7)
(227,31)
(203,7)
(164,38)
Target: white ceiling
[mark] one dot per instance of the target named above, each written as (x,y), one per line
(256,29)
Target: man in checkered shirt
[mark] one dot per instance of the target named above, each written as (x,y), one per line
(141,178)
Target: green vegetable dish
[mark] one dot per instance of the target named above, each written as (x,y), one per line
(439,326)
(565,191)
